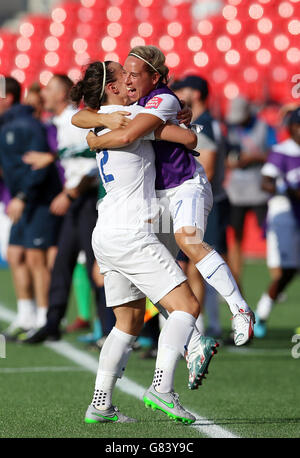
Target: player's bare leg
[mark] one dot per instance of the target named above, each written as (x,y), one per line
(24,291)
(267,300)
(50,257)
(37,263)
(216,272)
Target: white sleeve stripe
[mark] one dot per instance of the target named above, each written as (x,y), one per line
(270,170)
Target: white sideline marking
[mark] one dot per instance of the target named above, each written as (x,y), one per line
(126,385)
(6,314)
(259,351)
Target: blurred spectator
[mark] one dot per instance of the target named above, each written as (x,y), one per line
(77,202)
(281,178)
(81,284)
(283,130)
(194,90)
(33,234)
(35,100)
(249,139)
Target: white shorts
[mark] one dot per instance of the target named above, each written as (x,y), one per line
(283,235)
(189,203)
(135,265)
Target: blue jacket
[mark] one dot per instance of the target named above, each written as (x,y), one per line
(20,132)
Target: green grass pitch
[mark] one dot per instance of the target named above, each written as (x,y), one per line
(250,392)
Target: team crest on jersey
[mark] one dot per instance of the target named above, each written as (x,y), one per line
(10,138)
(154,103)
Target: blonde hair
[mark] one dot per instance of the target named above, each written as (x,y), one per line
(155,59)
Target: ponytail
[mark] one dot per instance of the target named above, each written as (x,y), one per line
(76,93)
(90,88)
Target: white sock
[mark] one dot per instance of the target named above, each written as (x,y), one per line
(211,307)
(198,331)
(112,362)
(264,307)
(199,325)
(26,317)
(41,317)
(216,272)
(173,342)
(194,340)
(161,320)
(102,398)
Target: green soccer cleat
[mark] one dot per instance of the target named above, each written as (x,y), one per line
(111,415)
(169,404)
(198,359)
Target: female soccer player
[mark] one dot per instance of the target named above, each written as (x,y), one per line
(134,263)
(179,179)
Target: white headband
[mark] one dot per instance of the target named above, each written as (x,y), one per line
(104,80)
(139,57)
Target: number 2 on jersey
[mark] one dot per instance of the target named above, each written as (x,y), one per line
(103,161)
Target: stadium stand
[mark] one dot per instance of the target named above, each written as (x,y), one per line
(248,47)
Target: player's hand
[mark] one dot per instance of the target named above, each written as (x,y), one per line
(91,138)
(38,160)
(15,209)
(60,204)
(185,115)
(116,120)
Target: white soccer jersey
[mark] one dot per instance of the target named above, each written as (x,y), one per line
(73,150)
(134,263)
(164,106)
(128,176)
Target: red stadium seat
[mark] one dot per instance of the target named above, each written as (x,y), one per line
(7,51)
(247,46)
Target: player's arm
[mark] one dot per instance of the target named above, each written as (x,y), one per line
(139,127)
(273,174)
(61,203)
(270,185)
(87,118)
(28,182)
(246,159)
(156,112)
(39,160)
(173,133)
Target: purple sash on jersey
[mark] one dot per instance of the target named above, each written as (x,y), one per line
(53,146)
(52,137)
(4,193)
(174,163)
